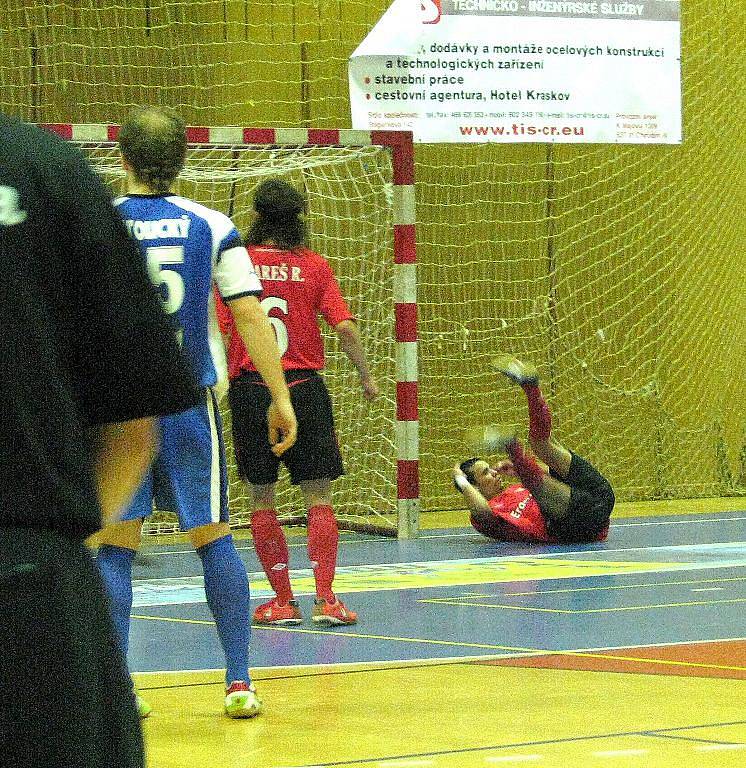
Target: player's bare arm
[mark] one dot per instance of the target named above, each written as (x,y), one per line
(349,339)
(259,338)
(474,499)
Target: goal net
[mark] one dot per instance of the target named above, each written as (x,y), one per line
(351,216)
(618,269)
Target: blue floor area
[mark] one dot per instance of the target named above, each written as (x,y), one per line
(179,560)
(454,594)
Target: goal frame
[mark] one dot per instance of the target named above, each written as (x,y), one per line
(400,146)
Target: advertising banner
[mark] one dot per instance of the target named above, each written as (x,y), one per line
(522,71)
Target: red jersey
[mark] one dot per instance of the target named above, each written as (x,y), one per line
(518,517)
(297,287)
(521,515)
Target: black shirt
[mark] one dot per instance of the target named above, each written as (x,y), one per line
(83,339)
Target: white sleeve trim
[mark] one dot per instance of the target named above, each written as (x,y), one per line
(234,274)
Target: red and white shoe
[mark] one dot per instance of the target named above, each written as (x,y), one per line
(273,612)
(241,700)
(332,614)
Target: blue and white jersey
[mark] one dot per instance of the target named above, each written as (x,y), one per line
(186,247)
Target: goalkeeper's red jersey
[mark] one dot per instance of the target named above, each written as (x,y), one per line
(520,515)
(297,287)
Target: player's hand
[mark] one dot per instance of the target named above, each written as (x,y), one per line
(504,467)
(370,389)
(283,426)
(460,480)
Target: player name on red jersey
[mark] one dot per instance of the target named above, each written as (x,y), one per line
(279,273)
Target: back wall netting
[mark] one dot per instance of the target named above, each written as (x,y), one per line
(619,269)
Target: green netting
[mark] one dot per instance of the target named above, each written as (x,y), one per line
(619,269)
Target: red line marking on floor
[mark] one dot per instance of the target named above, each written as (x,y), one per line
(723,659)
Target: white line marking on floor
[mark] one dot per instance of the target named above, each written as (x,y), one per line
(708,589)
(678,522)
(717,747)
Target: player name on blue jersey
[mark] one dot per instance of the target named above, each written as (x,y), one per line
(187,247)
(159,229)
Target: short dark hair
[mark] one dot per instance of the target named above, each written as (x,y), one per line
(153,141)
(280,207)
(467,467)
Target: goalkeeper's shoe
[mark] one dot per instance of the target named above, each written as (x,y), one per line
(143,708)
(523,374)
(334,614)
(241,700)
(277,614)
(492,438)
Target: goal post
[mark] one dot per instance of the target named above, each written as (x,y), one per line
(360,191)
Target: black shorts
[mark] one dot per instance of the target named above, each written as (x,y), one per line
(591,503)
(65,695)
(315,455)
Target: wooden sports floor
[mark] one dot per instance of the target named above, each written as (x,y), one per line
(470,653)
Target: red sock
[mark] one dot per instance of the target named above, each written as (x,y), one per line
(323,537)
(539,417)
(526,466)
(272,551)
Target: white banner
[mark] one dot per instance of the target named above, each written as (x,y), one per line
(522,71)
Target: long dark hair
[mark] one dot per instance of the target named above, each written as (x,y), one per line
(280,208)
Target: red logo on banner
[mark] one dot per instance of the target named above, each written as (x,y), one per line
(430,11)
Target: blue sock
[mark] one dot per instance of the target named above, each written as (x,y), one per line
(227,590)
(115,564)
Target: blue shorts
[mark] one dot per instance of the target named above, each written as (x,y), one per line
(189,475)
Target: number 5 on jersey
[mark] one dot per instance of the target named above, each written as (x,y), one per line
(170,282)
